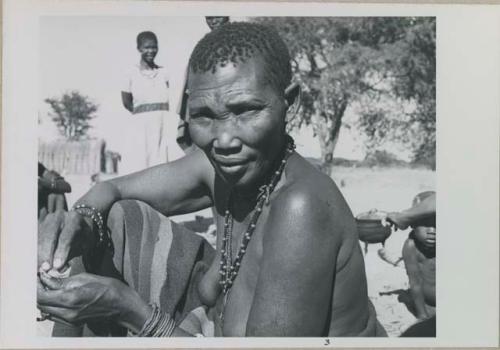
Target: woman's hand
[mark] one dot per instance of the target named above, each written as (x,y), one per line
(61,236)
(85,296)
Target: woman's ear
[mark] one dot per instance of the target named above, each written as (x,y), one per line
(293,97)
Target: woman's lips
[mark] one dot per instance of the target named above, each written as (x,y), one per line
(230,165)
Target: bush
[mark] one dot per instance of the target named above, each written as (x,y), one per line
(382,159)
(425,156)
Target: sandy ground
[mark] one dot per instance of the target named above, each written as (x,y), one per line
(389,190)
(364,189)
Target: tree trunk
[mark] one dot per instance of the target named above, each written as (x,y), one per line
(327,128)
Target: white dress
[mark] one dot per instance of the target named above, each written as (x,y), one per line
(151,128)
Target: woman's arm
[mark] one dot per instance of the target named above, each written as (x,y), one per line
(174,188)
(127,100)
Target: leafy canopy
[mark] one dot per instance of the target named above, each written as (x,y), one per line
(72,113)
(361,62)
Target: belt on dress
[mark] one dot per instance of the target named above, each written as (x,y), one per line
(149,107)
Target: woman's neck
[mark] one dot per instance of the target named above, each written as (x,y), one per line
(147,66)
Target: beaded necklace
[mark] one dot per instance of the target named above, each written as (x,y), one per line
(228,268)
(149,73)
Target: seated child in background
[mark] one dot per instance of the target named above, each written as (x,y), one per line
(419,251)
(419,255)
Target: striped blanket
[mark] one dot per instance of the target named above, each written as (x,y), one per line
(161,260)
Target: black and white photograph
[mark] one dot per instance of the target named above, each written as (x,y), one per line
(222,175)
(310,140)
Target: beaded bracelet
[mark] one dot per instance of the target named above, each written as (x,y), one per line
(96,217)
(159,324)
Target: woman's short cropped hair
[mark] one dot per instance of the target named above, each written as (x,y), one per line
(236,42)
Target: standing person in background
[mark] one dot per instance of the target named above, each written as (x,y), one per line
(146,95)
(183,137)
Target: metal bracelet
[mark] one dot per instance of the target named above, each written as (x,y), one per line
(158,324)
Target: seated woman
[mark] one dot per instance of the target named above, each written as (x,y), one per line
(287,259)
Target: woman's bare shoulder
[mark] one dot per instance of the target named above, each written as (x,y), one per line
(311,199)
(306,181)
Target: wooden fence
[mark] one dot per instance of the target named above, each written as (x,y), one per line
(74,157)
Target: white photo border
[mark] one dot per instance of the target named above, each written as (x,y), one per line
(468,110)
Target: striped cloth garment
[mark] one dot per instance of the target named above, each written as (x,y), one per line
(161,260)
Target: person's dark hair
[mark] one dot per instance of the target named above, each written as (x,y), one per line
(145,35)
(216,21)
(238,41)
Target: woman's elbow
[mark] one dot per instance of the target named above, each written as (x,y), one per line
(127,106)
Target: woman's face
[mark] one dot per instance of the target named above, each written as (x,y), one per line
(237,117)
(148,49)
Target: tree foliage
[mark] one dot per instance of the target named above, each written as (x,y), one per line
(346,61)
(72,113)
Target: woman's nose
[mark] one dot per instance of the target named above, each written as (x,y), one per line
(225,140)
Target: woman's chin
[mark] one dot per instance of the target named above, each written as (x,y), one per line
(240,181)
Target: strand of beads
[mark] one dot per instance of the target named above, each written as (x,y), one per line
(228,268)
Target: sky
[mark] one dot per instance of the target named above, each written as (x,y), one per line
(93,54)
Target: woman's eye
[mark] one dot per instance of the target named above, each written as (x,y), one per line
(199,119)
(246,109)
(199,116)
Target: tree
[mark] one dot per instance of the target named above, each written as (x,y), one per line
(345,61)
(413,63)
(72,114)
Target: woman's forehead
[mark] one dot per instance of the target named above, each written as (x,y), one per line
(148,41)
(249,75)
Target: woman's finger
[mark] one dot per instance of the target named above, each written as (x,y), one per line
(51,203)
(60,314)
(60,320)
(51,282)
(39,286)
(49,317)
(48,233)
(59,202)
(48,297)
(42,214)
(66,238)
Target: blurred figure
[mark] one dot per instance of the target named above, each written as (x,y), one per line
(51,189)
(183,137)
(146,95)
(214,22)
